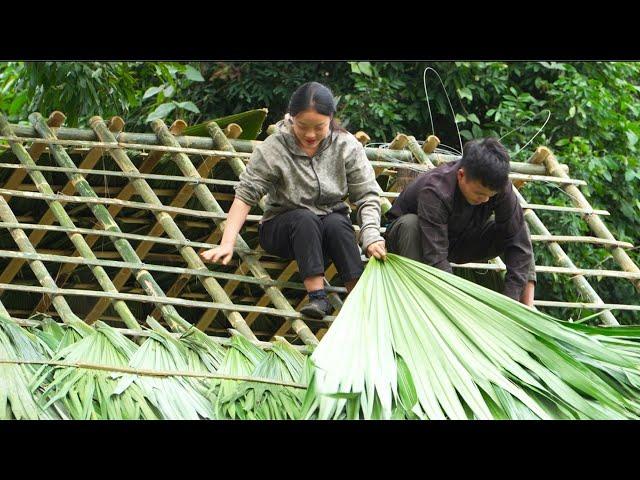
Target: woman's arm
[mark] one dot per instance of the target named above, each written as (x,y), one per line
(236,218)
(364,192)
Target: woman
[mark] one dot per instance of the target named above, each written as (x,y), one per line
(307,169)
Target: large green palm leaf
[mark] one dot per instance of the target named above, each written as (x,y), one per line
(413,341)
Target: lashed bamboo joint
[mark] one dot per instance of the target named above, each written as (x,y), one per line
(102,244)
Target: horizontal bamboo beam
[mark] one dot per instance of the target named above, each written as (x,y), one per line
(591,306)
(206,214)
(561,270)
(242,146)
(159,268)
(247,146)
(112,173)
(595,223)
(580,239)
(123,203)
(120,145)
(232,307)
(104,233)
(520,167)
(148,372)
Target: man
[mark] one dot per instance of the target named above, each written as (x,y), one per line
(466,211)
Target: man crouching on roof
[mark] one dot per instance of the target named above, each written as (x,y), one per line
(466,211)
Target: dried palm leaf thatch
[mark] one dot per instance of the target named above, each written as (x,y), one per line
(263,401)
(17,401)
(88,393)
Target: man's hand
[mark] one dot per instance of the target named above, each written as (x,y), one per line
(378,250)
(527,294)
(222,252)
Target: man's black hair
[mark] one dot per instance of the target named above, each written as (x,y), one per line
(486,160)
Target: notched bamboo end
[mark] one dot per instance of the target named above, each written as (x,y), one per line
(271,129)
(177,127)
(116,124)
(233,130)
(399,142)
(362,137)
(56,118)
(430,144)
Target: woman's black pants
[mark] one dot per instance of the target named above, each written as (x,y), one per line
(313,241)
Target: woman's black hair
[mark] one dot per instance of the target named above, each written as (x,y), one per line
(316,96)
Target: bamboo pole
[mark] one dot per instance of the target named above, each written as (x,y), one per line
(591,306)
(125,194)
(580,239)
(40,271)
(149,372)
(516,167)
(169,301)
(101,202)
(143,189)
(149,139)
(63,218)
(211,205)
(595,223)
(111,173)
(144,278)
(89,161)
(55,120)
(537,159)
(144,248)
(563,260)
(120,145)
(167,269)
(246,146)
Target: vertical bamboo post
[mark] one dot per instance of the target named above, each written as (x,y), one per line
(63,218)
(38,268)
(173,231)
(594,221)
(144,278)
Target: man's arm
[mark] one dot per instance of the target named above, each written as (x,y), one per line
(518,251)
(433,218)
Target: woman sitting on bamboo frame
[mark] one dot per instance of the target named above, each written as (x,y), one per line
(307,169)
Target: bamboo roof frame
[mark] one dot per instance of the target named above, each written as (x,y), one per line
(254,267)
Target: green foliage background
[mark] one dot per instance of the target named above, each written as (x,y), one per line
(594,125)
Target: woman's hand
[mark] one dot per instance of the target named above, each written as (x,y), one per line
(222,252)
(378,250)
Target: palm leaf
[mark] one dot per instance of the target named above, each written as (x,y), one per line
(88,393)
(251,122)
(175,397)
(413,341)
(17,401)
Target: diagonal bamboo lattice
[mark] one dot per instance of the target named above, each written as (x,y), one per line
(115,221)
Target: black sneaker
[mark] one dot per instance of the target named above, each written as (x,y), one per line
(317,308)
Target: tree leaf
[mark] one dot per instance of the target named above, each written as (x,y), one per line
(162,111)
(193,74)
(151,91)
(188,106)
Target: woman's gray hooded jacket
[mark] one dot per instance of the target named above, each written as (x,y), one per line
(291,179)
